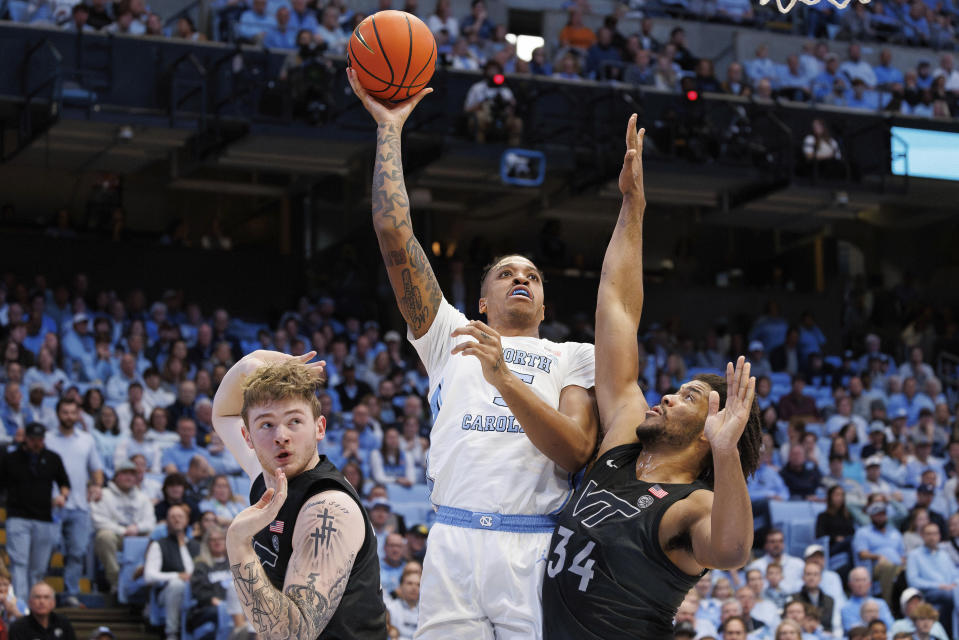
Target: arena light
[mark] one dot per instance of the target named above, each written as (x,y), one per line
(499,79)
(692,95)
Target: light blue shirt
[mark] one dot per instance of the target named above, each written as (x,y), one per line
(851,617)
(252,24)
(80,459)
(277,39)
(928,569)
(180,456)
(117,386)
(767,483)
(887,75)
(757,69)
(915,468)
(48,380)
(306,21)
(390,576)
(886,543)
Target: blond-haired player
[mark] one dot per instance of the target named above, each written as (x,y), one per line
(303,557)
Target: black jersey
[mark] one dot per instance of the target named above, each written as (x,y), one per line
(606,574)
(361,614)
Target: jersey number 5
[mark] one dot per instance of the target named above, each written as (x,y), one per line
(582,564)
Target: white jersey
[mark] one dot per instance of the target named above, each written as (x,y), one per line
(480,458)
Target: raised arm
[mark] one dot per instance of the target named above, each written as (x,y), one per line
(228,403)
(327,536)
(417,292)
(619,307)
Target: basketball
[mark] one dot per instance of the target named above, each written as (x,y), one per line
(393,54)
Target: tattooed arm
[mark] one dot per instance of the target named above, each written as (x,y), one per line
(414,284)
(328,535)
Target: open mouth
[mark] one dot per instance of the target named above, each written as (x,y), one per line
(520,291)
(284,457)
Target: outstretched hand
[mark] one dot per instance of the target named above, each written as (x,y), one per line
(631,176)
(257,517)
(724,428)
(262,357)
(382,111)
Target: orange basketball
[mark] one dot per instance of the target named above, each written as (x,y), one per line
(393,54)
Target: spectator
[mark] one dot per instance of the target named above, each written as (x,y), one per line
(254,25)
(178,456)
(303,17)
(390,463)
(735,83)
(442,18)
(36,411)
(168,565)
(923,461)
(886,74)
(394,559)
(351,390)
(491,108)
(79,19)
(118,384)
(123,511)
(50,378)
(775,552)
(380,513)
(812,593)
(28,474)
(880,545)
(416,542)
(856,24)
(766,483)
(330,33)
(855,67)
(404,608)
(733,628)
(174,494)
(666,76)
(836,522)
(11,411)
(761,66)
(801,475)
(221,501)
(575,34)
(679,53)
(737,11)
(601,53)
(478,23)
(11,607)
(154,395)
(137,442)
(154,25)
(101,14)
(757,359)
(78,452)
(209,582)
(42,621)
(860,587)
(462,58)
(796,403)
(792,81)
(747,600)
(771,599)
(931,570)
(282,35)
(911,603)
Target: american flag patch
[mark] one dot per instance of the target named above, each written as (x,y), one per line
(277,526)
(657,491)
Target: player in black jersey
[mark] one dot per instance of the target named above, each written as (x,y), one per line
(303,557)
(665,499)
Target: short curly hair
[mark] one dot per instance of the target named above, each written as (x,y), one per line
(290,380)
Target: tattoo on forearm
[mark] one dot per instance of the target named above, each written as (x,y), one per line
(396,258)
(390,202)
(302,612)
(411,302)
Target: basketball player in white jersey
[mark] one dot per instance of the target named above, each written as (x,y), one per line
(514,418)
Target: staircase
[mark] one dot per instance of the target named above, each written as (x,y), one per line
(124,623)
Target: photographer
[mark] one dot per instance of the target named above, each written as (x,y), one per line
(491,107)
(308,74)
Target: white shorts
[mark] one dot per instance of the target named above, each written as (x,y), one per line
(481,585)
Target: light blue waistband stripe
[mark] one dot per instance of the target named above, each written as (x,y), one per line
(495,521)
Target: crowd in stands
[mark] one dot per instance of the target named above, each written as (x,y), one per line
(822,72)
(106,406)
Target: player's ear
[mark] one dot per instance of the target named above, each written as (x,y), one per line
(246,436)
(482,306)
(320,428)
(542,314)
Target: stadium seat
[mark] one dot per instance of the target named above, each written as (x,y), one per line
(132,555)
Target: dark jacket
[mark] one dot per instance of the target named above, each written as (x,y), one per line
(825,606)
(27,628)
(801,483)
(28,479)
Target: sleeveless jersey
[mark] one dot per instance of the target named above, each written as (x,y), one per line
(606,574)
(361,614)
(480,458)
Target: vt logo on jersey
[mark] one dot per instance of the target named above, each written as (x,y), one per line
(267,557)
(600,505)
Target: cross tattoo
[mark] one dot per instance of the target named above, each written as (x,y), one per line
(323,532)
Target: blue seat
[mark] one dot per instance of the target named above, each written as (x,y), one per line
(130,590)
(418,493)
(781,379)
(801,535)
